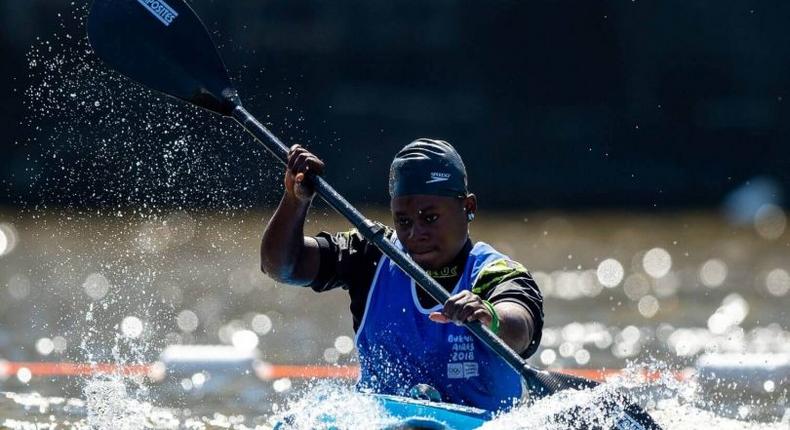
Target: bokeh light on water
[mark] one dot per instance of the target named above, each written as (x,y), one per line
(777,282)
(8,238)
(657,262)
(45,346)
(187,321)
(96,286)
(713,273)
(244,340)
(610,273)
(344,344)
(770,221)
(261,323)
(132,327)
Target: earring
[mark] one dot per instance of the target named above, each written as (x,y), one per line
(470,216)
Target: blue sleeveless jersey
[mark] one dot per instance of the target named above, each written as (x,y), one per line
(399,347)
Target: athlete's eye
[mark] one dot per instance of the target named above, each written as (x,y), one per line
(430,219)
(402,222)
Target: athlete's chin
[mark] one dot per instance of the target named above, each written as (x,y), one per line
(426,260)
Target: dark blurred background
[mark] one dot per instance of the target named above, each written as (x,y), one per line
(553,103)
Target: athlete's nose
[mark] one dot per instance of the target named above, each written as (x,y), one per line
(418,231)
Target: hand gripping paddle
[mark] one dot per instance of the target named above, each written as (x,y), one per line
(163,45)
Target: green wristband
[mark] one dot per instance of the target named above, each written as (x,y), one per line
(494,317)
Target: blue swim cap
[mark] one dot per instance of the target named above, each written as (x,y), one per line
(428,166)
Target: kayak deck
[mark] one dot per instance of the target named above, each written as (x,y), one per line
(433,415)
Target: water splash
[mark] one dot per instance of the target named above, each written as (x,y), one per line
(100,140)
(553,413)
(331,406)
(590,408)
(673,403)
(110,405)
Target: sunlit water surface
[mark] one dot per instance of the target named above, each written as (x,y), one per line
(120,288)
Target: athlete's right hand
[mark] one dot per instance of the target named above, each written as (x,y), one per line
(301,162)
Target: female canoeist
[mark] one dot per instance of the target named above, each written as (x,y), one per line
(401,333)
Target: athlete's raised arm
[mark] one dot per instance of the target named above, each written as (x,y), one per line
(286,254)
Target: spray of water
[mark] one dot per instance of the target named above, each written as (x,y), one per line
(98,140)
(674,403)
(109,405)
(331,406)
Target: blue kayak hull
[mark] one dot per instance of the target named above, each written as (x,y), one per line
(420,414)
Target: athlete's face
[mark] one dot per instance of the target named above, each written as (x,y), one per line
(433,229)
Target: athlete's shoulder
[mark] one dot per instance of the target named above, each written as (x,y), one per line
(496,271)
(351,239)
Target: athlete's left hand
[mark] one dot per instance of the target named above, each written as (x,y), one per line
(463,307)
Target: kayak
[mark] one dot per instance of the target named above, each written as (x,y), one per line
(433,415)
(414,414)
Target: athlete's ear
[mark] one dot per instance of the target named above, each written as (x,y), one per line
(470,206)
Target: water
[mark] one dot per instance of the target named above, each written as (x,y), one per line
(109,408)
(109,404)
(88,287)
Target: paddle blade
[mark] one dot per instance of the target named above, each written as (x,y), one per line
(563,381)
(632,417)
(163,45)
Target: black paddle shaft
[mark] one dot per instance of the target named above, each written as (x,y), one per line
(540,383)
